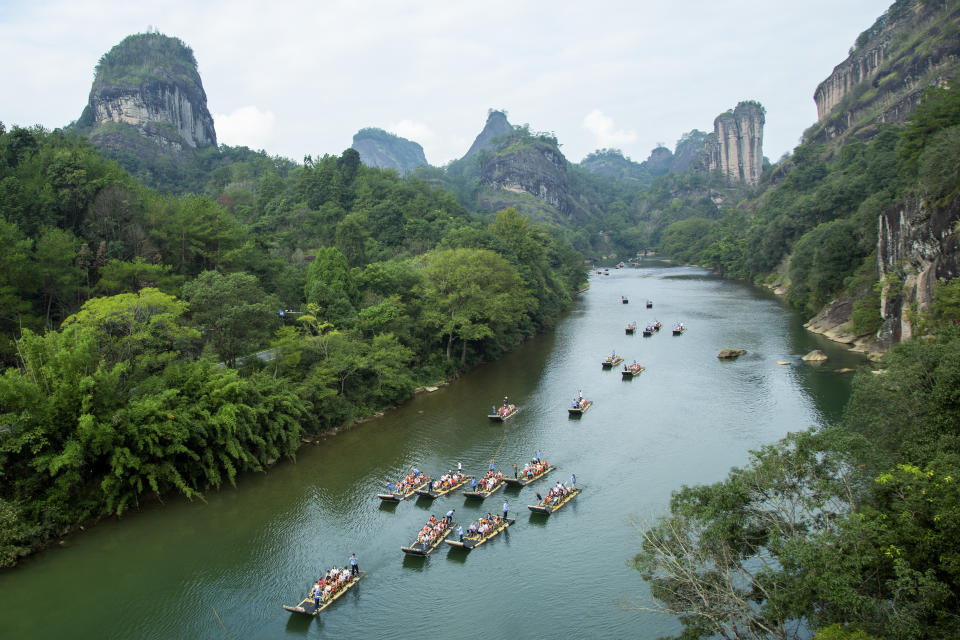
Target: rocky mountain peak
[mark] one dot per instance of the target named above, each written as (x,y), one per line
(379,148)
(497,126)
(148,83)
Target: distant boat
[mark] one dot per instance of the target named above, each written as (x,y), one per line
(523,479)
(504,413)
(649,304)
(632,370)
(452,485)
(580,407)
(624,300)
(481,492)
(631,327)
(679,329)
(611,361)
(648,331)
(400,495)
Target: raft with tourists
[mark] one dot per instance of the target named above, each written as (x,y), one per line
(405,488)
(308,606)
(679,329)
(482,530)
(624,300)
(430,537)
(504,412)
(486,486)
(533,470)
(553,502)
(579,406)
(448,483)
(631,327)
(611,361)
(649,304)
(631,370)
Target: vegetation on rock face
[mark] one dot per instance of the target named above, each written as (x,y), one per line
(117,304)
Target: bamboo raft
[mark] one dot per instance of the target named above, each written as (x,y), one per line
(611,361)
(631,328)
(436,493)
(469,542)
(649,304)
(480,494)
(648,332)
(496,417)
(579,411)
(632,371)
(547,508)
(679,329)
(624,300)
(419,549)
(307,607)
(398,496)
(522,482)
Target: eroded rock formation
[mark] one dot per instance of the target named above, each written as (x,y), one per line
(378,148)
(736,144)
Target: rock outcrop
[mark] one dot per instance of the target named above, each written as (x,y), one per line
(736,144)
(495,128)
(918,245)
(909,48)
(147,99)
(378,148)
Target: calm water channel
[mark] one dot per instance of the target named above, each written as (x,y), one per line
(171,570)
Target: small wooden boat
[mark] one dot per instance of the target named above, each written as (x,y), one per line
(480,494)
(648,331)
(428,492)
(504,413)
(679,329)
(580,409)
(649,304)
(470,542)
(657,325)
(547,506)
(399,496)
(624,300)
(611,361)
(307,606)
(631,327)
(630,371)
(424,549)
(522,481)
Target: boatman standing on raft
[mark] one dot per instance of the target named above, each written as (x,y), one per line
(450,517)
(354,567)
(506,508)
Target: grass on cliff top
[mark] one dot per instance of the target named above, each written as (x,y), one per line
(148,56)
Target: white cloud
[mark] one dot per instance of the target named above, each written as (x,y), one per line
(602,128)
(245,126)
(417,131)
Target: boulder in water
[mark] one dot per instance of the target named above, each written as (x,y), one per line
(730,354)
(815,356)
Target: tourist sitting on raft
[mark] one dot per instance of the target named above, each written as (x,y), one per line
(484,525)
(331,583)
(534,468)
(428,534)
(411,480)
(555,495)
(504,410)
(448,479)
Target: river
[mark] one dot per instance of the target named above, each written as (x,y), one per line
(221,568)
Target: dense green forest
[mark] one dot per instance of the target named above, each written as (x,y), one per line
(126,315)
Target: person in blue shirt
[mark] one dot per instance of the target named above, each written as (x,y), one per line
(491,465)
(450,516)
(460,532)
(506,508)
(354,566)
(573,481)
(537,455)
(473,484)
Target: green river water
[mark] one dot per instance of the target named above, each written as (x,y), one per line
(177,570)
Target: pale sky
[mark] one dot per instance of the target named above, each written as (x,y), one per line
(301,77)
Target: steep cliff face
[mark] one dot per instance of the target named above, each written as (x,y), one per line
(147,98)
(736,144)
(378,148)
(917,245)
(496,127)
(533,166)
(911,47)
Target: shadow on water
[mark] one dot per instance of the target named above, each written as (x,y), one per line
(458,555)
(538,519)
(386,505)
(300,623)
(417,563)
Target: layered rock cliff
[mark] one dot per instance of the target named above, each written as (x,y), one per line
(378,148)
(147,99)
(912,46)
(736,144)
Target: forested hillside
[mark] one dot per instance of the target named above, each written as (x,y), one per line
(118,303)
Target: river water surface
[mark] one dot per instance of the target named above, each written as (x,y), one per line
(223,567)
